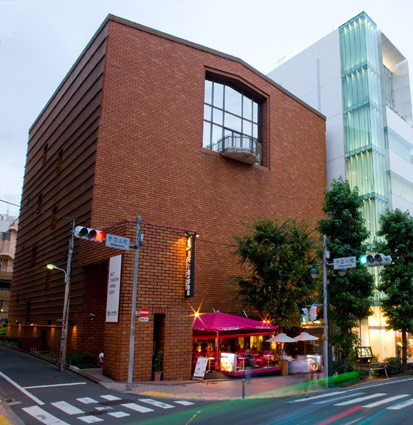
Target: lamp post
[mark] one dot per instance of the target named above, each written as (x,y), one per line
(65,320)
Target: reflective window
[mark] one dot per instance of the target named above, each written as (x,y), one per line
(228,111)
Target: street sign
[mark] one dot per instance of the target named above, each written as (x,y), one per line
(118,242)
(144,312)
(345,263)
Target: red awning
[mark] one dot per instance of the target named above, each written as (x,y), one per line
(229,325)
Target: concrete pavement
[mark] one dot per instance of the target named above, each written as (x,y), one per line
(213,389)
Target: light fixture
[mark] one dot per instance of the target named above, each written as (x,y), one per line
(314,272)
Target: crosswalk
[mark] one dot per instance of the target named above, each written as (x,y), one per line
(360,398)
(91,410)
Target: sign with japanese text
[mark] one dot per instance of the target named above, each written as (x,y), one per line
(345,263)
(118,242)
(112,301)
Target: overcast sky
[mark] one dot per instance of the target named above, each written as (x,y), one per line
(41,39)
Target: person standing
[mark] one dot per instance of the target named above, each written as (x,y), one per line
(249,362)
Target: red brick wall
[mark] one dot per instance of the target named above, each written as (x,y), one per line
(148,159)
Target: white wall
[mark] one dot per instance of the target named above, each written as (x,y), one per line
(314,76)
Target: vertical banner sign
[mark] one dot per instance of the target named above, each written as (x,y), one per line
(190,267)
(112,301)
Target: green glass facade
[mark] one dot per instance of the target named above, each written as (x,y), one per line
(364,136)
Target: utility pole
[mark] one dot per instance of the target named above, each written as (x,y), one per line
(134,294)
(65,319)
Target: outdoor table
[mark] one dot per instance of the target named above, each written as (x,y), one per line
(268,359)
(209,363)
(243,362)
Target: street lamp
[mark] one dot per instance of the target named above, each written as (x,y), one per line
(63,338)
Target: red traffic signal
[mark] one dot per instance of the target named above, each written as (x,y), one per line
(89,234)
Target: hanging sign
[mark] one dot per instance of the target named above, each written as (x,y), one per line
(112,300)
(190,266)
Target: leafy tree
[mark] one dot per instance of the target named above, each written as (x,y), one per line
(278,258)
(397,279)
(350,296)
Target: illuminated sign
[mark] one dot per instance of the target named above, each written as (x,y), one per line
(227,362)
(190,266)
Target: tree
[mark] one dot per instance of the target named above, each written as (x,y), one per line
(350,296)
(397,279)
(278,258)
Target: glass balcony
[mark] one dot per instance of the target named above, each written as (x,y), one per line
(240,147)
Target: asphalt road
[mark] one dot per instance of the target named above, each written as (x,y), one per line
(38,393)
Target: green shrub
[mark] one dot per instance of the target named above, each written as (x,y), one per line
(3,331)
(157,362)
(341,368)
(82,360)
(394,366)
(363,374)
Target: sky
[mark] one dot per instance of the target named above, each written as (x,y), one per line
(41,39)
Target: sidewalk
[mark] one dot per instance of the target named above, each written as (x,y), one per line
(211,389)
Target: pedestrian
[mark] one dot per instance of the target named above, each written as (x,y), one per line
(100,358)
(249,362)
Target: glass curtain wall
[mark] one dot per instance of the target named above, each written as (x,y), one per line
(363,116)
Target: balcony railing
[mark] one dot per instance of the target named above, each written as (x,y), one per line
(240,147)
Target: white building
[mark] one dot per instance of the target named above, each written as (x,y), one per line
(359,80)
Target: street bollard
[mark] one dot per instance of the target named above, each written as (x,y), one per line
(243,388)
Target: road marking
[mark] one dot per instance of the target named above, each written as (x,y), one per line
(156,403)
(102,408)
(110,397)
(316,397)
(87,400)
(55,385)
(43,416)
(339,415)
(401,405)
(35,399)
(90,419)
(332,400)
(184,402)
(156,394)
(360,399)
(67,408)
(386,400)
(4,420)
(137,408)
(119,414)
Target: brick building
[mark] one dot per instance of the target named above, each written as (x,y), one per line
(192,139)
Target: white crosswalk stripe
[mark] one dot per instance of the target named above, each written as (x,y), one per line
(334,399)
(360,399)
(184,402)
(67,408)
(137,408)
(87,400)
(118,414)
(316,397)
(42,416)
(90,419)
(402,405)
(386,400)
(156,403)
(110,397)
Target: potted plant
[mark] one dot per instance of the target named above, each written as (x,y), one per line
(157,366)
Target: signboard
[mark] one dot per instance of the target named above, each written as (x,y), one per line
(345,263)
(118,242)
(190,267)
(143,314)
(228,362)
(112,300)
(200,368)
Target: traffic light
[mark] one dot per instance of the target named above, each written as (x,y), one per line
(89,234)
(313,313)
(304,315)
(363,260)
(374,260)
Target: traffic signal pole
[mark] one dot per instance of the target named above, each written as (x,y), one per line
(133,312)
(325,299)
